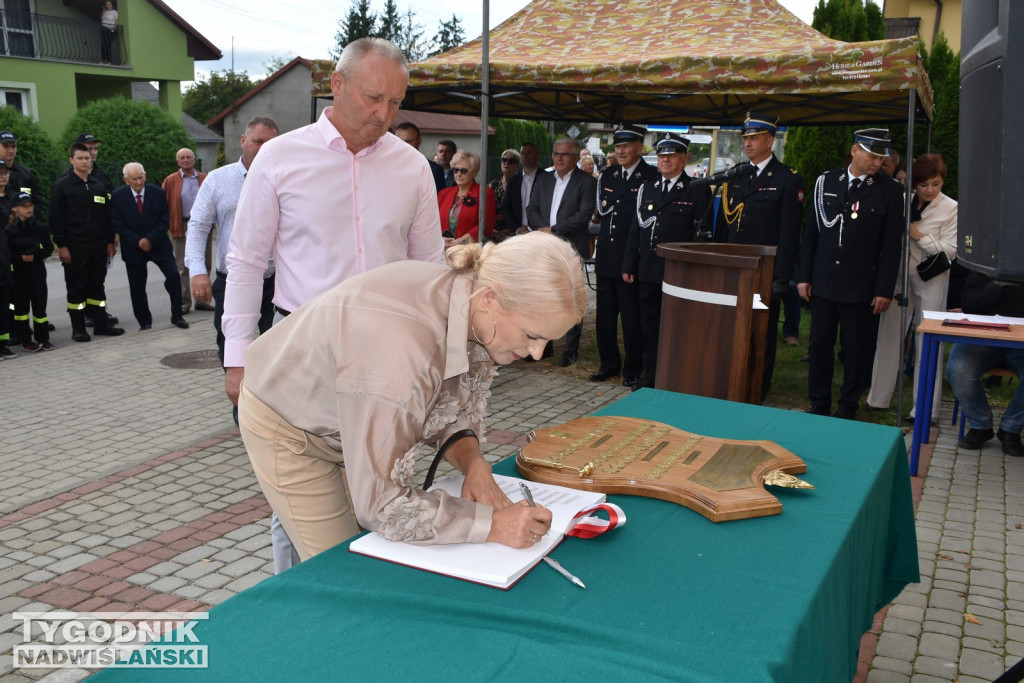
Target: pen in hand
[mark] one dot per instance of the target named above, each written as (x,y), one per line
(551,563)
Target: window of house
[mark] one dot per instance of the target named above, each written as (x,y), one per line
(16,31)
(21,96)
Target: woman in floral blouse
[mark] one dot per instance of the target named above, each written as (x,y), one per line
(339,397)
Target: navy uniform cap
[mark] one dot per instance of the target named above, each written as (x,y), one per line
(7,136)
(21,198)
(85,138)
(672,143)
(760,123)
(629,132)
(873,141)
(4,166)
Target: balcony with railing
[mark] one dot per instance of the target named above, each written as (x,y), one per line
(39,36)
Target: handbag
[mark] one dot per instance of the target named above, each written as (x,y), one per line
(936,264)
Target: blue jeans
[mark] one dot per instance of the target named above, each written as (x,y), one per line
(966,364)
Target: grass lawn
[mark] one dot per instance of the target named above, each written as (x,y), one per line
(789,384)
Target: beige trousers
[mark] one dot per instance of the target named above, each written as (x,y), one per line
(302,477)
(888,367)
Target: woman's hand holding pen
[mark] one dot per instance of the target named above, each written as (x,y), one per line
(520,525)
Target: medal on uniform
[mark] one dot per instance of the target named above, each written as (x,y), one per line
(604,202)
(853,214)
(650,207)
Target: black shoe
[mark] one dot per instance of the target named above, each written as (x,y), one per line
(975,438)
(89,322)
(1011,443)
(81,336)
(845,414)
(6,353)
(567,360)
(872,409)
(631,382)
(108,331)
(179,322)
(112,320)
(145,326)
(601,376)
(817,410)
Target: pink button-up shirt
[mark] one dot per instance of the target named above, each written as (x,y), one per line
(324,214)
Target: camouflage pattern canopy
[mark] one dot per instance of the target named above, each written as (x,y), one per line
(680,61)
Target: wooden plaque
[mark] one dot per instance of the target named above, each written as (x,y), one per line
(721,479)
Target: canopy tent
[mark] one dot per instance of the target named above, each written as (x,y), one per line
(689,62)
(698,62)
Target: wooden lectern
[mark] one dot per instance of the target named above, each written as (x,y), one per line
(714,319)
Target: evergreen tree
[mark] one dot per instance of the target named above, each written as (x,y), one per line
(360,22)
(207,98)
(449,35)
(813,150)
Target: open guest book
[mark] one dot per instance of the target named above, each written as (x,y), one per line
(490,564)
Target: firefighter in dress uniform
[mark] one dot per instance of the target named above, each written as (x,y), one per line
(848,267)
(765,208)
(667,210)
(617,187)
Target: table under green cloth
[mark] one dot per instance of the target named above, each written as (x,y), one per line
(670,596)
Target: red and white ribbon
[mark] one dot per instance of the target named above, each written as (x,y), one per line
(589,526)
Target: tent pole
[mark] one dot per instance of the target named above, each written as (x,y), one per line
(902,296)
(485,106)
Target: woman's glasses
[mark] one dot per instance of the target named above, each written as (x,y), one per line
(509,160)
(455,169)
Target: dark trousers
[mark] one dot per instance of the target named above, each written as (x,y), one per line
(266,308)
(137,276)
(770,345)
(617,298)
(572,340)
(30,292)
(86,275)
(857,332)
(650,327)
(5,311)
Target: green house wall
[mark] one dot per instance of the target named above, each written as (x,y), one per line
(155,50)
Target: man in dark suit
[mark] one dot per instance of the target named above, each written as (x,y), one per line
(140,215)
(407,131)
(765,208)
(848,267)
(616,205)
(446,149)
(520,186)
(563,203)
(667,208)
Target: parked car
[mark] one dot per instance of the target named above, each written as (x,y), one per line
(721,164)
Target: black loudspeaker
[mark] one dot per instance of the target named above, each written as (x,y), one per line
(990,235)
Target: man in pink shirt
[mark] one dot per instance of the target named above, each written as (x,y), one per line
(330,200)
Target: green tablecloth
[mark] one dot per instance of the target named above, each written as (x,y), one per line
(670,596)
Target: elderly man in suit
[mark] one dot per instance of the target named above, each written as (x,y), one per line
(140,215)
(848,267)
(563,203)
(181,187)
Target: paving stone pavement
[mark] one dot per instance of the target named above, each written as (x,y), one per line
(127,487)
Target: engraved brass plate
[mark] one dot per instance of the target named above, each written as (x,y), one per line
(721,479)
